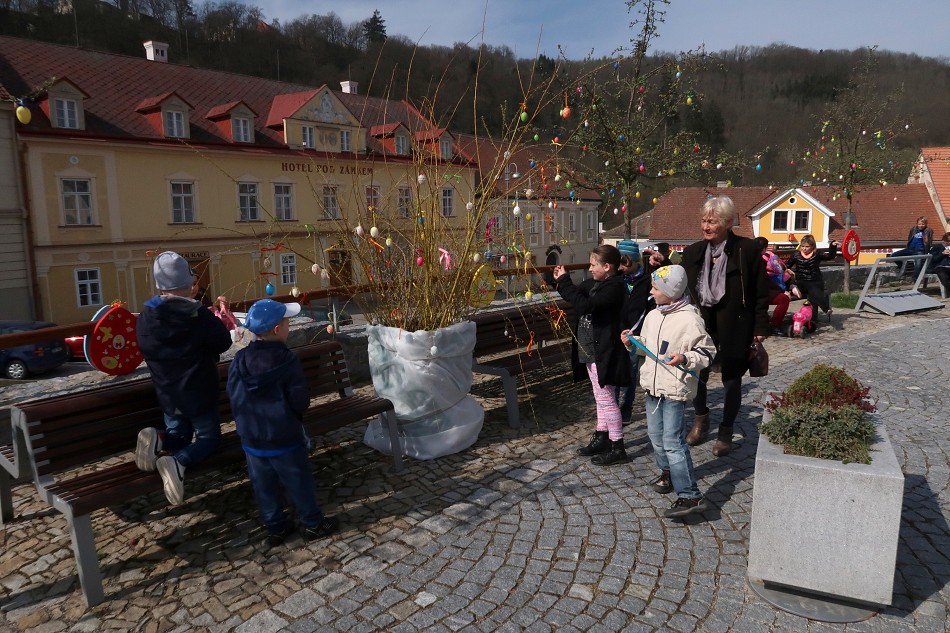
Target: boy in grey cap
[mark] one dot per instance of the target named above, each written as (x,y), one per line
(181,341)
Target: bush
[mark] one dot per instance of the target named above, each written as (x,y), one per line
(822,414)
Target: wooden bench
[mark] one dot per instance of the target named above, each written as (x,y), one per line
(512,341)
(80,445)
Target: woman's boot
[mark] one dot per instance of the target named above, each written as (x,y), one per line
(599,443)
(697,434)
(723,445)
(616,455)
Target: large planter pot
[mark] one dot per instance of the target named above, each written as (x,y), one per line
(827,527)
(427,376)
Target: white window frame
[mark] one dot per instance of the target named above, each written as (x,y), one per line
(180,214)
(66,113)
(173,123)
(331,203)
(591,226)
(76,197)
(404,201)
(284,201)
(88,287)
(534,230)
(402,144)
(288,269)
(372,198)
(241,129)
(344,140)
(448,202)
(248,206)
(794,220)
(307,138)
(445,148)
(775,226)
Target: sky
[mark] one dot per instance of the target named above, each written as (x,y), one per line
(530,27)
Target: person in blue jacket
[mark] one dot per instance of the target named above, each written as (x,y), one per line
(181,341)
(269,395)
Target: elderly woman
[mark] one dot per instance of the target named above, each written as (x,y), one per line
(726,277)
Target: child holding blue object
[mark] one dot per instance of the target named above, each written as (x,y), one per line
(269,395)
(678,349)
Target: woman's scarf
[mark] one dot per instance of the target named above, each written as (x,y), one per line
(712,277)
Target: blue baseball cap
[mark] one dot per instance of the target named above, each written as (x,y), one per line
(265,314)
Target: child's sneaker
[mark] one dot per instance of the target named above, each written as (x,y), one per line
(683,506)
(173,477)
(663,484)
(278,534)
(326,527)
(147,447)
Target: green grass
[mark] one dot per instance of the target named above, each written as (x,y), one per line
(842,300)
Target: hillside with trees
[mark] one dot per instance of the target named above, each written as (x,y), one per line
(762,103)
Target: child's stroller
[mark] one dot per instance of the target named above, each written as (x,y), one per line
(802,323)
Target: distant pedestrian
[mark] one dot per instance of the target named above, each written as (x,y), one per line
(181,342)
(269,395)
(596,350)
(679,348)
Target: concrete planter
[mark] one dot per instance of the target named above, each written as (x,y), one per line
(827,527)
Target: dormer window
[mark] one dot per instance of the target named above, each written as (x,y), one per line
(445,148)
(66,114)
(241,130)
(345,141)
(402,144)
(308,138)
(174,121)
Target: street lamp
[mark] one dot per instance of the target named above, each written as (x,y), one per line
(636,225)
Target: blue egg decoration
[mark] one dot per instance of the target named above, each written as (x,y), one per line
(421,220)
(269,289)
(678,74)
(616,65)
(611,191)
(572,194)
(488,255)
(620,137)
(758,167)
(531,163)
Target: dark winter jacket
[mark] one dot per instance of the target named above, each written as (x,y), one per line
(181,341)
(638,302)
(269,394)
(810,269)
(743,311)
(603,301)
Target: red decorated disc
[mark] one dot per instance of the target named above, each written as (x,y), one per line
(851,246)
(113,347)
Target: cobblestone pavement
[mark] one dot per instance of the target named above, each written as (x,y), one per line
(514,534)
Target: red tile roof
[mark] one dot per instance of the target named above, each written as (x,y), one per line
(151,104)
(119,85)
(937,162)
(883,214)
(225,108)
(383,130)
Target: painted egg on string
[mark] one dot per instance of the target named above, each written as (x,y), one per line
(330,329)
(421,179)
(23,115)
(295,291)
(359,230)
(389,241)
(537,138)
(476,257)
(266,262)
(373,232)
(503,259)
(758,167)
(420,261)
(528,295)
(616,211)
(469,206)
(269,289)
(531,163)
(315,269)
(528,216)
(524,117)
(324,274)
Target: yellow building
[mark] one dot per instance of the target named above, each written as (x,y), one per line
(251,180)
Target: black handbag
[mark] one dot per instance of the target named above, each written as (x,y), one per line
(758,360)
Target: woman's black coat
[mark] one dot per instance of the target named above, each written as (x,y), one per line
(603,301)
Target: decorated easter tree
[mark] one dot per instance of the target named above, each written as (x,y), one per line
(857,145)
(642,126)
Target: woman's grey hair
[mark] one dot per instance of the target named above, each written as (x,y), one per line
(723,208)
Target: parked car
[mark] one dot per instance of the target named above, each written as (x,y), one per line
(35,358)
(77,349)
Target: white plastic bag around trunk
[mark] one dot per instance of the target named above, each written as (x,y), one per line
(427,376)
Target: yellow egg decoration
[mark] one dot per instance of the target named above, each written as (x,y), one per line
(23,115)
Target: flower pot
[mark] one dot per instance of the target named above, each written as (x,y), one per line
(427,376)
(824,526)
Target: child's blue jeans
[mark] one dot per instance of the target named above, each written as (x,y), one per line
(206,429)
(667,431)
(291,470)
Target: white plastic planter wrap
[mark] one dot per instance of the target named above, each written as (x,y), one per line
(427,376)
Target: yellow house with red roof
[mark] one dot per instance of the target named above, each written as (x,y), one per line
(252,180)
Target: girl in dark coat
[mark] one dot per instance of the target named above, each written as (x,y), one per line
(726,278)
(596,351)
(806,262)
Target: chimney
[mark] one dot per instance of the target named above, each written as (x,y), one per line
(349,86)
(156,51)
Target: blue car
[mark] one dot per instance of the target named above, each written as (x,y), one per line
(19,362)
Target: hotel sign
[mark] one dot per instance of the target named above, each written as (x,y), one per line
(314,168)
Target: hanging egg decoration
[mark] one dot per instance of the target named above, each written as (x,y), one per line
(324,274)
(503,259)
(528,216)
(389,241)
(23,114)
(531,163)
(295,291)
(616,211)
(758,167)
(637,195)
(359,230)
(516,211)
(689,101)
(315,269)
(537,138)
(330,329)
(373,232)
(420,261)
(566,112)
(476,257)
(269,289)
(421,179)
(524,117)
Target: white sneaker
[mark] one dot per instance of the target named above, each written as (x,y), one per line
(173,477)
(147,447)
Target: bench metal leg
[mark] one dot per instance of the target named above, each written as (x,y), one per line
(87,559)
(389,419)
(6,497)
(511,400)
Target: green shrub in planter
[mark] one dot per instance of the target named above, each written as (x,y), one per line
(822,414)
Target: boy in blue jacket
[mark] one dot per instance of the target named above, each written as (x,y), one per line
(269,395)
(181,341)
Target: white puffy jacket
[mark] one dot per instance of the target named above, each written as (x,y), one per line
(684,333)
